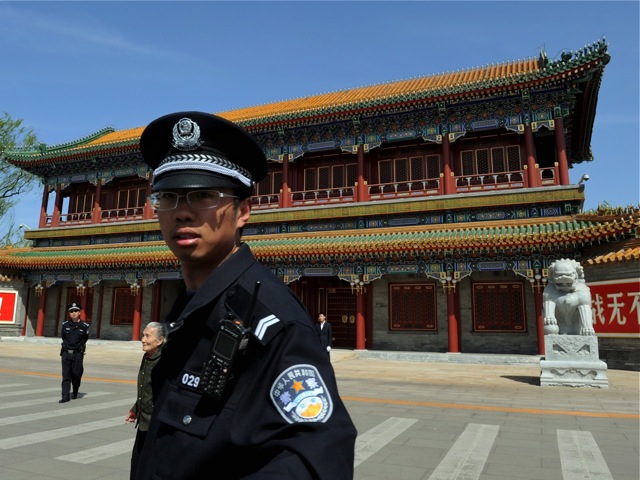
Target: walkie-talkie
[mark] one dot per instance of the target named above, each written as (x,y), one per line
(230,340)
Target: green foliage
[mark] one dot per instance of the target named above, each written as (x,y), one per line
(13,181)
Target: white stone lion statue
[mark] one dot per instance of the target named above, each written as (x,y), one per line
(567,300)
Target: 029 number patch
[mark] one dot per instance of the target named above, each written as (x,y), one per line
(190,380)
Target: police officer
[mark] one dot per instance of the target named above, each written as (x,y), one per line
(75,334)
(241,389)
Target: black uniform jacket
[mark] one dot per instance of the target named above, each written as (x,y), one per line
(74,335)
(281,416)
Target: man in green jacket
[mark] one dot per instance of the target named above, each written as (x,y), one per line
(140,413)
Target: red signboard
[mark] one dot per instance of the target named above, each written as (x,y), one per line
(8,300)
(616,307)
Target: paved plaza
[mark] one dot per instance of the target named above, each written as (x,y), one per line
(419,417)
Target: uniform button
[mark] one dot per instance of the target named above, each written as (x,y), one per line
(186,419)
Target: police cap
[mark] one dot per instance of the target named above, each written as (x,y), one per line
(73,306)
(201,150)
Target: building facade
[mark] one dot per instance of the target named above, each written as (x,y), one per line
(418,215)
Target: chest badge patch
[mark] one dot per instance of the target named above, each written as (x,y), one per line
(300,395)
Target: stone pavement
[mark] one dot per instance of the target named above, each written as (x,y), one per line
(419,416)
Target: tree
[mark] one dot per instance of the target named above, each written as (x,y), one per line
(13,181)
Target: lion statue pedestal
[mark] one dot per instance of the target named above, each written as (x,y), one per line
(570,343)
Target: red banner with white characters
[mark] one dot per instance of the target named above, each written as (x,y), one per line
(616,307)
(8,300)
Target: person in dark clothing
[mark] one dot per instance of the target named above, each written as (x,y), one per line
(242,390)
(324,332)
(75,334)
(140,413)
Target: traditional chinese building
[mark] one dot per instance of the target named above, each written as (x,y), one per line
(418,214)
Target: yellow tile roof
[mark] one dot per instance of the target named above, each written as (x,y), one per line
(622,255)
(382,91)
(355,96)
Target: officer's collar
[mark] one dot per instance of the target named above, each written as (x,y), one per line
(225,275)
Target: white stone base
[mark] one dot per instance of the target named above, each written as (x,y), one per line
(572,361)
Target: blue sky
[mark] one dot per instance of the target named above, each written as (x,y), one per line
(73,68)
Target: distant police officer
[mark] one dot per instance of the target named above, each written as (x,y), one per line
(75,334)
(241,389)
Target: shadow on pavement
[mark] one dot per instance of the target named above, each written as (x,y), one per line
(523,379)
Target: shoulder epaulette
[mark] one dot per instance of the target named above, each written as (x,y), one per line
(263,323)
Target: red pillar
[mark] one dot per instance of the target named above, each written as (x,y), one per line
(449,186)
(43,207)
(96,213)
(454,345)
(360,325)
(40,322)
(137,316)
(55,219)
(533,174)
(100,305)
(26,313)
(147,212)
(157,291)
(285,195)
(561,151)
(537,295)
(83,304)
(361,194)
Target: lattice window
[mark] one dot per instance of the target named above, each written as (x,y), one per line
(124,305)
(499,307)
(271,185)
(352,174)
(324,177)
(385,171)
(83,202)
(337,173)
(417,168)
(412,307)
(467,162)
(264,187)
(337,176)
(276,183)
(401,170)
(498,164)
(395,171)
(131,197)
(310,179)
(433,166)
(482,161)
(513,157)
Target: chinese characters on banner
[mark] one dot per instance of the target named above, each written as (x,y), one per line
(616,307)
(8,300)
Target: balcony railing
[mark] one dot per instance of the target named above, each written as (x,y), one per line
(414,188)
(549,176)
(260,202)
(122,214)
(490,181)
(79,218)
(330,196)
(323,196)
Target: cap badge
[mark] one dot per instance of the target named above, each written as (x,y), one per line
(186,135)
